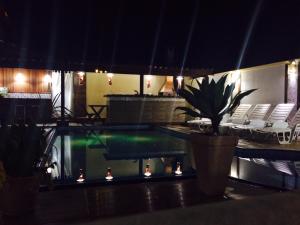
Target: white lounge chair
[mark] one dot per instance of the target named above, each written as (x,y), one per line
(281,112)
(296,119)
(240,114)
(279,115)
(259,112)
(285,133)
(237,117)
(253,119)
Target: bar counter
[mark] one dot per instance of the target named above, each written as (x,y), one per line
(26,106)
(144,109)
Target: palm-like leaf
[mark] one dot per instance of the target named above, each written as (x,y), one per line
(212,99)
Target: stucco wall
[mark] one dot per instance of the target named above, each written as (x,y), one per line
(270,83)
(156,84)
(97,86)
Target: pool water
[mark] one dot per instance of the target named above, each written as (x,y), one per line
(126,153)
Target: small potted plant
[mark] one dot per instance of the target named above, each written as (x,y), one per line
(21,149)
(213,152)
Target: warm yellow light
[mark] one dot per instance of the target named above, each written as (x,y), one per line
(110,75)
(179,81)
(81,177)
(293,69)
(96,71)
(47,79)
(109,176)
(49,170)
(148,80)
(148,77)
(235,76)
(147,171)
(178,169)
(20,78)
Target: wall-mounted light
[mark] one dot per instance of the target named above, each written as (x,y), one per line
(81,73)
(148,80)
(179,81)
(81,77)
(20,78)
(47,79)
(293,69)
(109,76)
(98,71)
(108,175)
(235,76)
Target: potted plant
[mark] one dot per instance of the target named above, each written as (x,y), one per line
(21,149)
(213,152)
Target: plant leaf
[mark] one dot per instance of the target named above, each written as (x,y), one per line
(236,100)
(188,111)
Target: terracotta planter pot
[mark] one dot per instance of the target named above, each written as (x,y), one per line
(213,156)
(18,195)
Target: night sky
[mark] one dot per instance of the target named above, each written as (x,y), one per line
(200,34)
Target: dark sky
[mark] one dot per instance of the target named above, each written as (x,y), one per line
(191,33)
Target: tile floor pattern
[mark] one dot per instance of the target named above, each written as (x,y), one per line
(86,204)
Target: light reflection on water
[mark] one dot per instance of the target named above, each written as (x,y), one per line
(126,153)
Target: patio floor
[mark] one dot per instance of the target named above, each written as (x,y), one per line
(93,203)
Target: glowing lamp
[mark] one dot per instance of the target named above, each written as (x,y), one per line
(81,77)
(178,169)
(292,69)
(147,171)
(81,177)
(179,81)
(109,76)
(148,80)
(49,170)
(20,78)
(96,71)
(47,79)
(109,176)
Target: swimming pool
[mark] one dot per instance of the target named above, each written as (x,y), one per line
(127,154)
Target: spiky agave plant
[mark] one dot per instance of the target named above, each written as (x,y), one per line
(212,99)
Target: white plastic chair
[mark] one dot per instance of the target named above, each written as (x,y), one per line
(281,112)
(259,112)
(287,136)
(286,133)
(239,114)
